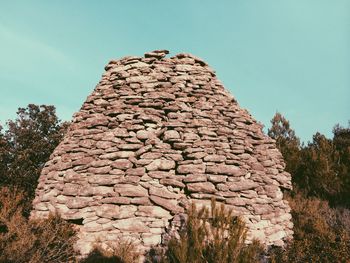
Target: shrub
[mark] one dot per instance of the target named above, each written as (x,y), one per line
(321,233)
(212,235)
(35,241)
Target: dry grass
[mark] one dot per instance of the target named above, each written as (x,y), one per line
(21,240)
(321,233)
(214,236)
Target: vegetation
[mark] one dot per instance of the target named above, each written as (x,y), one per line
(25,147)
(320,202)
(34,241)
(212,236)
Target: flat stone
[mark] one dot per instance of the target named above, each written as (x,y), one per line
(224,169)
(126,211)
(215,158)
(131,225)
(116,200)
(130,190)
(153,211)
(171,135)
(191,168)
(192,178)
(242,185)
(161,164)
(163,192)
(77,202)
(217,178)
(122,164)
(130,146)
(150,240)
(204,187)
(107,211)
(172,182)
(170,205)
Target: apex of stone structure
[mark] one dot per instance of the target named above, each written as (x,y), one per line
(157,54)
(155,135)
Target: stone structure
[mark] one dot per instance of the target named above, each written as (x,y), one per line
(156,134)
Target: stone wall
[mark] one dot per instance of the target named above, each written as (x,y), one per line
(156,134)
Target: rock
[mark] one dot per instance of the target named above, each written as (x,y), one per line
(171,135)
(172,182)
(231,170)
(131,225)
(77,202)
(161,164)
(191,168)
(153,211)
(151,240)
(242,185)
(122,164)
(116,200)
(217,178)
(131,190)
(108,211)
(204,187)
(126,211)
(215,158)
(170,205)
(140,171)
(163,192)
(192,178)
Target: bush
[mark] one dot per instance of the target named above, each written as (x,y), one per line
(321,233)
(212,236)
(35,241)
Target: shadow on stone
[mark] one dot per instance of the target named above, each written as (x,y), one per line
(96,256)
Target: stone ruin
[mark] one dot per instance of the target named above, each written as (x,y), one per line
(156,134)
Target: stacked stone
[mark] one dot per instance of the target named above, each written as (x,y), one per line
(156,134)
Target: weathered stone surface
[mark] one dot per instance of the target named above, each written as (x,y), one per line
(121,164)
(155,135)
(163,192)
(171,135)
(170,205)
(161,164)
(130,190)
(107,211)
(191,168)
(242,185)
(153,211)
(205,187)
(224,169)
(131,225)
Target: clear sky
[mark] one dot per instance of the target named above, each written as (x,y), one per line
(291,56)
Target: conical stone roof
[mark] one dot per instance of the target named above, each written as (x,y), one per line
(154,135)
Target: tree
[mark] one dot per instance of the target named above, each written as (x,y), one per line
(318,171)
(286,141)
(27,144)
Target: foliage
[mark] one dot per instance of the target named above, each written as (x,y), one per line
(321,168)
(35,241)
(321,233)
(286,141)
(212,236)
(124,251)
(26,145)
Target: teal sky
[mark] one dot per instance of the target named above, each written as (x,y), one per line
(273,55)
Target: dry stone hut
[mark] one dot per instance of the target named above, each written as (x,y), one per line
(154,135)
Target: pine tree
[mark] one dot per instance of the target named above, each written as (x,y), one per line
(286,141)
